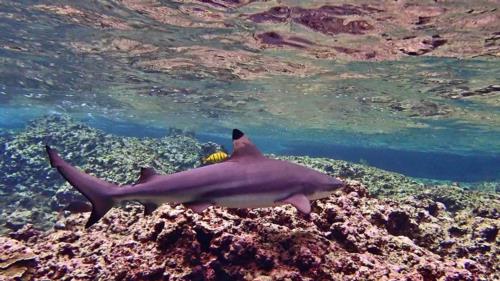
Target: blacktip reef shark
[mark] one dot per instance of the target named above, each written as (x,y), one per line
(247,179)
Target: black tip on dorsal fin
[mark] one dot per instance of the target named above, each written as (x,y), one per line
(243,147)
(146,174)
(237,134)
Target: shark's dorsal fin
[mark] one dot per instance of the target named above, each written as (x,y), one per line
(146,175)
(243,147)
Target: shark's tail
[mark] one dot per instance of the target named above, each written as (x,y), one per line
(97,191)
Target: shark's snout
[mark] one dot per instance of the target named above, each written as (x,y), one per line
(336,183)
(331,184)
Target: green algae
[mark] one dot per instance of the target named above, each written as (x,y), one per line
(33,191)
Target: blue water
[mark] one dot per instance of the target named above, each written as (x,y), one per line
(431,165)
(470,167)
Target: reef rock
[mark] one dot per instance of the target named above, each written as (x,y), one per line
(16,260)
(349,236)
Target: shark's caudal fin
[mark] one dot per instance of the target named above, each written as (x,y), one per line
(97,191)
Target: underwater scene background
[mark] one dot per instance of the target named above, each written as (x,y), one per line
(400,99)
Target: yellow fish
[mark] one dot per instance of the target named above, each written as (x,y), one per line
(215,157)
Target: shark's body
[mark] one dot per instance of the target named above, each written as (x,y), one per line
(246,180)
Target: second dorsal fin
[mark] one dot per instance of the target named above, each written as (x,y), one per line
(243,147)
(146,174)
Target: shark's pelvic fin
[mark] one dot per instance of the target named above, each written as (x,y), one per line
(97,191)
(149,208)
(300,202)
(146,175)
(197,207)
(243,147)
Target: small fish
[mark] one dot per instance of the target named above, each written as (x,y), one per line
(215,157)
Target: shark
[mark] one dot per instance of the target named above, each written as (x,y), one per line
(247,179)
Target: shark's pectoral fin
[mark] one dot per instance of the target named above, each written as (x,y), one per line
(300,202)
(149,208)
(197,207)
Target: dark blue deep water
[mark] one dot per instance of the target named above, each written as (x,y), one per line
(469,167)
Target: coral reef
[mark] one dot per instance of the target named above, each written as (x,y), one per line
(34,192)
(350,236)
(16,260)
(381,226)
